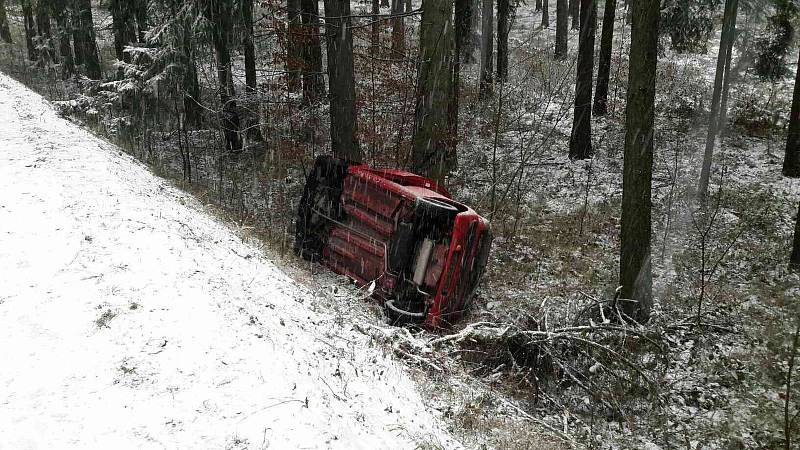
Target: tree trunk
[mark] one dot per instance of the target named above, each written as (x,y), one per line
(604,65)
(341,81)
(487,46)
(725,47)
(503,13)
(398,30)
(580,143)
(64,46)
(219,13)
(313,81)
(44,30)
(546,14)
(636,229)
(538,6)
(431,149)
(574,11)
(86,40)
(77,35)
(375,36)
(463,11)
(561,29)
(140,14)
(30,30)
(5,33)
(190,86)
(794,259)
(122,26)
(791,160)
(294,46)
(251,81)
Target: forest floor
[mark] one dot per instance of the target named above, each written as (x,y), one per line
(130,317)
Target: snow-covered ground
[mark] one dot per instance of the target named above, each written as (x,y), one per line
(129,317)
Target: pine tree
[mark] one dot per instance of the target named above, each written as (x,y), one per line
(604,66)
(580,142)
(341,81)
(636,228)
(122,27)
(431,151)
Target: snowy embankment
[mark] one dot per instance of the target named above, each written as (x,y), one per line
(131,318)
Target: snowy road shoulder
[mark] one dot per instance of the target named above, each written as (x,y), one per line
(130,318)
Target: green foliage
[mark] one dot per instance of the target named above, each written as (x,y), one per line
(688,23)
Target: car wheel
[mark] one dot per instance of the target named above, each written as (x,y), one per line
(430,209)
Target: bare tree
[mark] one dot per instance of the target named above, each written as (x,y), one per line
(604,66)
(580,142)
(636,229)
(562,11)
(341,80)
(791,160)
(431,152)
(721,78)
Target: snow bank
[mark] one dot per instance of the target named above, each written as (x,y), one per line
(130,318)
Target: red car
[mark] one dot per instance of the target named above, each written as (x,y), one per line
(424,251)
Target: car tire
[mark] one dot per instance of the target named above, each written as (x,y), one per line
(429,209)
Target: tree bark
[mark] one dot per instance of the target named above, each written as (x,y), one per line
(251,80)
(44,30)
(574,11)
(5,33)
(30,30)
(431,149)
(503,13)
(538,6)
(122,27)
(398,30)
(604,65)
(636,229)
(140,14)
(77,35)
(791,160)
(580,143)
(294,45)
(546,14)
(219,13)
(375,35)
(88,41)
(313,81)
(487,46)
(341,80)
(725,47)
(561,29)
(63,29)
(794,259)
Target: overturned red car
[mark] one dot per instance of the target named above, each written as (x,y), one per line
(424,251)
